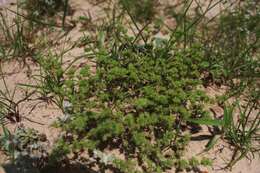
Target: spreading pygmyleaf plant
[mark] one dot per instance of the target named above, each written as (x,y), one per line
(137,100)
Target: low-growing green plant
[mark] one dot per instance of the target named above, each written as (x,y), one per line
(192,164)
(6,141)
(137,100)
(26,148)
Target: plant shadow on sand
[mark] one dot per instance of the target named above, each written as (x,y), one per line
(79,168)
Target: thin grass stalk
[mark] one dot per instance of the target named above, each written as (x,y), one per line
(65,12)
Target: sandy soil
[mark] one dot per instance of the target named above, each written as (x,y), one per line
(40,116)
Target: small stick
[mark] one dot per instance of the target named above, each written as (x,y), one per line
(33,121)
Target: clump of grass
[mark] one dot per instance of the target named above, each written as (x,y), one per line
(140,10)
(50,80)
(36,11)
(243,133)
(9,111)
(9,105)
(233,51)
(14,37)
(23,37)
(39,8)
(240,129)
